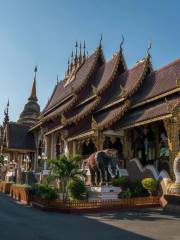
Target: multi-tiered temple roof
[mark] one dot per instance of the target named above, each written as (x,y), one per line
(100,94)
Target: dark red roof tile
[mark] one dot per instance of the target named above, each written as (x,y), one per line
(148,112)
(82,111)
(65,106)
(129,81)
(62,90)
(159,82)
(18,137)
(106,118)
(109,70)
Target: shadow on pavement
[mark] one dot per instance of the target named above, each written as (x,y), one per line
(22,222)
(140,214)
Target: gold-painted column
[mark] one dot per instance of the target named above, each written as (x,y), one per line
(172,128)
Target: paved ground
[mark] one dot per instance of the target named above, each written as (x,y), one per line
(18,222)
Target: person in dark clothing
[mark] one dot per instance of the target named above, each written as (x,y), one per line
(91,147)
(107,144)
(88,147)
(117,145)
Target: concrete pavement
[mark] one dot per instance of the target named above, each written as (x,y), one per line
(20,222)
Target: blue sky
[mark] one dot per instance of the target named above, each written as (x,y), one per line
(43,32)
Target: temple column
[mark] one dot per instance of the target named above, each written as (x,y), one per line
(98,139)
(52,145)
(74,148)
(172,127)
(66,148)
(47,150)
(127,146)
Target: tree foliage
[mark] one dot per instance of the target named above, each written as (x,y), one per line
(76,189)
(66,169)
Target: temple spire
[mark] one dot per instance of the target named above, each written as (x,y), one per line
(76,56)
(100,41)
(72,61)
(148,49)
(80,54)
(84,53)
(6,113)
(68,70)
(121,44)
(33,96)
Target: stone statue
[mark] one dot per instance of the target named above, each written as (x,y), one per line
(102,166)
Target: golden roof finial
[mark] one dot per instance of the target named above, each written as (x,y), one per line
(35,69)
(72,61)
(149,48)
(100,41)
(76,57)
(84,54)
(121,44)
(80,54)
(68,70)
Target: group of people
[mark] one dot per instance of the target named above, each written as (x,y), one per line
(89,147)
(116,145)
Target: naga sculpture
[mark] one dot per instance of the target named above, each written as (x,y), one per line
(176,168)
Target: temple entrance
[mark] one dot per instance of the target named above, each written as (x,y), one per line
(114,140)
(149,143)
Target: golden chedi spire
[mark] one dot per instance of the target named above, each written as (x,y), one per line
(31,109)
(33,95)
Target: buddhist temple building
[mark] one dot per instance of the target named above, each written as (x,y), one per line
(17,144)
(100,102)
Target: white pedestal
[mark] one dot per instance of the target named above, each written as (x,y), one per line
(45,172)
(103,193)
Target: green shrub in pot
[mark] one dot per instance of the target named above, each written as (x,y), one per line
(151,185)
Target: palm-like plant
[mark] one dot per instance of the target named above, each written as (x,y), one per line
(66,169)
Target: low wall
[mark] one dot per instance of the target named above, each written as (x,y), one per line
(5,187)
(20,193)
(138,172)
(95,205)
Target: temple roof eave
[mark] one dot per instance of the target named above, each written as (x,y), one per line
(63,90)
